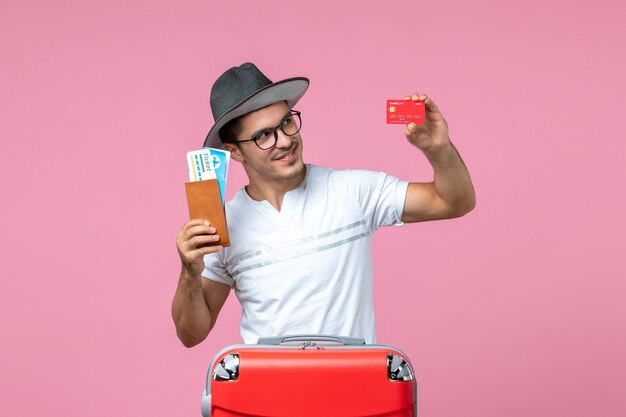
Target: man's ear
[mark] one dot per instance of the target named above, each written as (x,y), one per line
(235,153)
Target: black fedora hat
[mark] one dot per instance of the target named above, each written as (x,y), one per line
(245,88)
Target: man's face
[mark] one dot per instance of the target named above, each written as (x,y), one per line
(283,161)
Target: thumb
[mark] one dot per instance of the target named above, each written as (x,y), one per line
(409,129)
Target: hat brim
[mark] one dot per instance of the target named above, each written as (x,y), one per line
(290,90)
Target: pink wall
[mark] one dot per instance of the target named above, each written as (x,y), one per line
(515,310)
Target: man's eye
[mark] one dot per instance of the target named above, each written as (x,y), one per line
(287,121)
(264,135)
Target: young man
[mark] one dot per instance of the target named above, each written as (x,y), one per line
(300,256)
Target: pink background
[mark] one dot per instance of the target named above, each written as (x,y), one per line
(515,310)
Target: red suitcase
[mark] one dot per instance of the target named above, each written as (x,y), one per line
(306,376)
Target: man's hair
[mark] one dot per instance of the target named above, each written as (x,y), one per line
(229,132)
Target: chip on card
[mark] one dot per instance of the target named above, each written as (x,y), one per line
(405,112)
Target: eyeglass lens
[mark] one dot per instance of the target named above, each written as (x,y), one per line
(290,126)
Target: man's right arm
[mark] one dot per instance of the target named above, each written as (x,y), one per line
(197,301)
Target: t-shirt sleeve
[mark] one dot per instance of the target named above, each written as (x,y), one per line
(215,270)
(381,196)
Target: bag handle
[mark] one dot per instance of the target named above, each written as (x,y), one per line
(278,340)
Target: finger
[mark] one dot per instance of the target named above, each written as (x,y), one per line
(183,239)
(409,129)
(199,230)
(183,242)
(415,97)
(188,247)
(194,222)
(210,249)
(407,98)
(202,240)
(431,106)
(200,252)
(189,250)
(204,250)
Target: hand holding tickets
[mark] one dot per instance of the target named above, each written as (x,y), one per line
(208,169)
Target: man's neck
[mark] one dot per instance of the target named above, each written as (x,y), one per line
(274,191)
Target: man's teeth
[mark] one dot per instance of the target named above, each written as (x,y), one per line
(285,155)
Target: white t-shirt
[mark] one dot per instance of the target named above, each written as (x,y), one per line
(307,269)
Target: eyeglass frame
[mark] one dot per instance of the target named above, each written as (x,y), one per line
(275,129)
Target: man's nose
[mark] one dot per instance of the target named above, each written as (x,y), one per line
(282,140)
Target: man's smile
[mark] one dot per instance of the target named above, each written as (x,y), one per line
(287,156)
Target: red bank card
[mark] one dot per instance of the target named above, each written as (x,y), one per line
(405,112)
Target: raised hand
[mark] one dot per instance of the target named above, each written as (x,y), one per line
(433,134)
(193,242)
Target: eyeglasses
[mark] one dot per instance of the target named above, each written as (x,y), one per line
(267,138)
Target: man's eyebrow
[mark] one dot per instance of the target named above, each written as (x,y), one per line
(268,128)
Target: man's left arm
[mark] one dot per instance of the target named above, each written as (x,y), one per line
(451,193)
